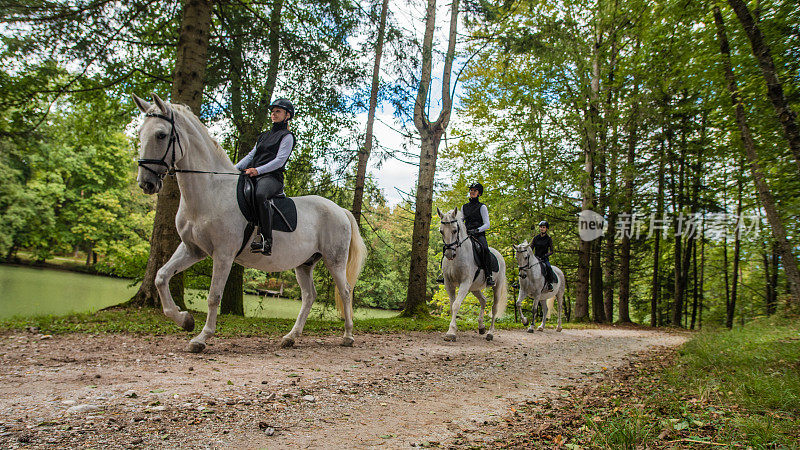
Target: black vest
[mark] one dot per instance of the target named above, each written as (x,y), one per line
(541,245)
(472,214)
(267,148)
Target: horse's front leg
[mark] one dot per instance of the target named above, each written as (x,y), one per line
(544,315)
(479,295)
(183,258)
(455,305)
(219,276)
(520,299)
(534,310)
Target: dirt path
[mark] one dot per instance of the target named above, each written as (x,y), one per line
(389,390)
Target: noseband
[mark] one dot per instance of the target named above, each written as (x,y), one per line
(173,138)
(455,244)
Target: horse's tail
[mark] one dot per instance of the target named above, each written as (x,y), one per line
(501,294)
(356,256)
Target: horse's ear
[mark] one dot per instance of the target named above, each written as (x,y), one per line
(455,211)
(142,104)
(439,212)
(162,105)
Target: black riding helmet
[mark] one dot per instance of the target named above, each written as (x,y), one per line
(544,224)
(478,187)
(283,104)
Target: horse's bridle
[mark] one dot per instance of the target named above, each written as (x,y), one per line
(173,138)
(529,265)
(455,244)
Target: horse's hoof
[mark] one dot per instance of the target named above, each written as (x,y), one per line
(287,343)
(530,330)
(450,337)
(489,337)
(347,342)
(195,347)
(558,329)
(188,322)
(540,329)
(481,330)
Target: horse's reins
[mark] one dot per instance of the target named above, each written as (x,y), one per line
(174,137)
(455,244)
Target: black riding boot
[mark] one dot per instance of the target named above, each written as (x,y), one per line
(264,245)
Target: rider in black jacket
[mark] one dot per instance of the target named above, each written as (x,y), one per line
(476,219)
(266,162)
(542,246)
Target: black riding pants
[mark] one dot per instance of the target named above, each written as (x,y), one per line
(486,256)
(547,270)
(267,187)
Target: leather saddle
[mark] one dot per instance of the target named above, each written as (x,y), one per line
(284,217)
(477,253)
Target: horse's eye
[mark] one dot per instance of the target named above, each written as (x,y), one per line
(161,135)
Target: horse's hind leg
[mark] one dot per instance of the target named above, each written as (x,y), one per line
(560,301)
(479,295)
(345,292)
(183,258)
(305,278)
(219,276)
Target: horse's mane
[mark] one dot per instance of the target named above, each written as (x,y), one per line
(186,112)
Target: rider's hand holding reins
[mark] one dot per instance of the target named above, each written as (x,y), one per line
(251,171)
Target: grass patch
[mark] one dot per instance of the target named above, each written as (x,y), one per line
(736,388)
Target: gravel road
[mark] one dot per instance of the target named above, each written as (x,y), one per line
(388,391)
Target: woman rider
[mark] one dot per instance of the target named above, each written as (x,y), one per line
(476,219)
(542,245)
(266,163)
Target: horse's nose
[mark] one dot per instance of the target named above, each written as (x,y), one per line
(522,275)
(147,186)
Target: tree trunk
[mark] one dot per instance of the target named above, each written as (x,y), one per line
(363,154)
(625,246)
(598,310)
(737,246)
(694,286)
(656,285)
(764,193)
(761,51)
(187,88)
(431,134)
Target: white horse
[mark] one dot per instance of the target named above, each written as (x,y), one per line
(531,283)
(209,222)
(459,273)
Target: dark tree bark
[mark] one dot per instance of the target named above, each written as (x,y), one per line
(761,50)
(730,310)
(363,154)
(431,135)
(629,175)
(764,192)
(656,284)
(187,88)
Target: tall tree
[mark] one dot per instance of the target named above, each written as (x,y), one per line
(363,153)
(763,54)
(187,88)
(431,134)
(764,192)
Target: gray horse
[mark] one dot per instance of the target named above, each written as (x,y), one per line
(531,283)
(210,224)
(459,273)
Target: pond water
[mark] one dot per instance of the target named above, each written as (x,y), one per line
(27,291)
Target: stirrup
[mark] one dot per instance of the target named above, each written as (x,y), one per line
(548,287)
(440,279)
(260,245)
(490,281)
